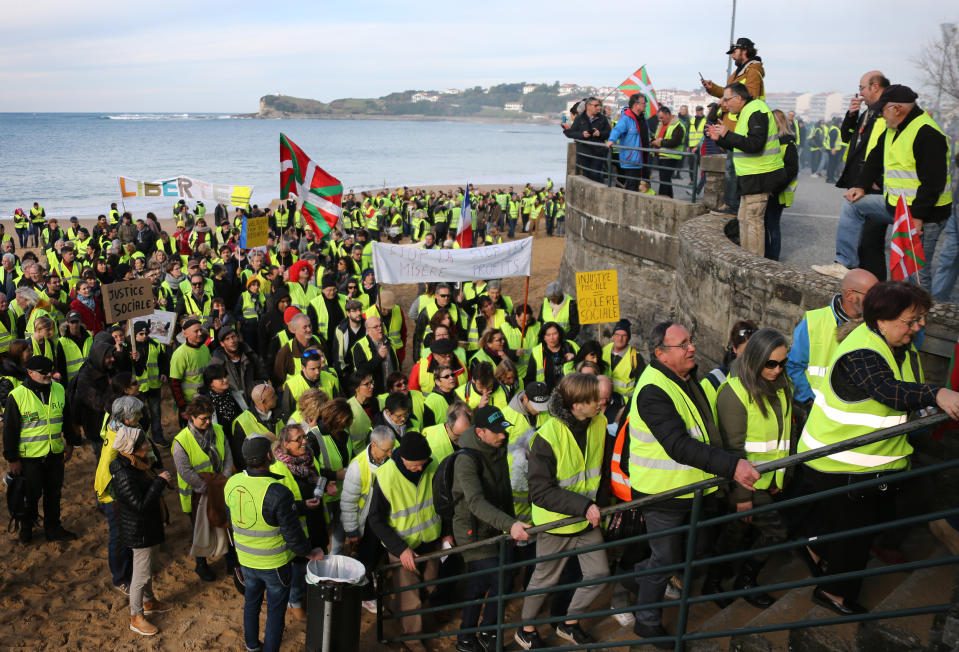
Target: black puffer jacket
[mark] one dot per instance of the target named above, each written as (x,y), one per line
(93,381)
(137,497)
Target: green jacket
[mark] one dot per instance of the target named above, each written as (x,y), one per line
(483,495)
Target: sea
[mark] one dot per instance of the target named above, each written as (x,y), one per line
(70,162)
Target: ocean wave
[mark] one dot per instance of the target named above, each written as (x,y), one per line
(168,116)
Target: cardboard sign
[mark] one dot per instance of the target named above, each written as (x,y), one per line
(128,299)
(597,295)
(257,231)
(161,324)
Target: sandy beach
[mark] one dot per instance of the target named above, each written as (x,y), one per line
(58,596)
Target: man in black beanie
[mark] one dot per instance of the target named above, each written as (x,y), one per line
(404,485)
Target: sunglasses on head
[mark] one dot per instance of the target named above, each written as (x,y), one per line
(312,354)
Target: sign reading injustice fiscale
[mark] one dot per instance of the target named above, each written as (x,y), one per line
(127,299)
(405,264)
(597,295)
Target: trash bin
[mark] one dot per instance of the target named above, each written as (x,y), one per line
(334,594)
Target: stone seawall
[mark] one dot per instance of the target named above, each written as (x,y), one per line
(674,262)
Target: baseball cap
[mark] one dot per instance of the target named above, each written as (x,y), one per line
(40,364)
(538,394)
(491,418)
(743,43)
(74,316)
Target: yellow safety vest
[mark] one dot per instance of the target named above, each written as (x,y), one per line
(75,355)
(41,424)
(412,514)
(187,365)
(575,471)
(258,545)
(199,460)
(833,420)
(900,176)
(621,374)
(768,160)
(281,469)
(765,440)
(670,128)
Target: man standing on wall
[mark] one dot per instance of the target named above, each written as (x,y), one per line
(590,125)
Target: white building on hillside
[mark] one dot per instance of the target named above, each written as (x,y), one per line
(513,106)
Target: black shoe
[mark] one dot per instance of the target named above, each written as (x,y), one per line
(26,534)
(204,572)
(161,442)
(528,640)
(60,534)
(653,631)
(844,608)
(711,586)
(761,600)
(573,633)
(469,645)
(487,640)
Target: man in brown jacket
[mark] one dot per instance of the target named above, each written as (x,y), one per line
(749,70)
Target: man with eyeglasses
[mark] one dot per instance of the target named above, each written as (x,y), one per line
(38,440)
(196,303)
(814,340)
(911,161)
(355,505)
(290,356)
(674,441)
(590,125)
(375,355)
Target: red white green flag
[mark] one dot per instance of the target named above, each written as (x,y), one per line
(639,82)
(320,192)
(906,256)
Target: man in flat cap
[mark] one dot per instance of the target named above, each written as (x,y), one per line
(911,160)
(38,439)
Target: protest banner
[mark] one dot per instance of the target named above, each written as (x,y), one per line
(405,264)
(161,323)
(597,296)
(127,299)
(254,232)
(186,188)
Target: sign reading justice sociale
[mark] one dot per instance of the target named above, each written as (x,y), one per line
(127,299)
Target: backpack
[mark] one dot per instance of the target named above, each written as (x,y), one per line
(17,500)
(443,500)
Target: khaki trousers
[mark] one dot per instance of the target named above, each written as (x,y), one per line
(752,225)
(410,600)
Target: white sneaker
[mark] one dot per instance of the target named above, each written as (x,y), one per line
(836,270)
(674,589)
(370,605)
(625,619)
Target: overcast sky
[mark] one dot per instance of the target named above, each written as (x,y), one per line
(216,56)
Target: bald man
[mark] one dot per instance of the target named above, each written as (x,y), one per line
(814,339)
(862,132)
(374,354)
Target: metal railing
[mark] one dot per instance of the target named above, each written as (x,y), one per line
(690,563)
(602,164)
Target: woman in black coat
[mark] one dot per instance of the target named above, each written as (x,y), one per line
(140,510)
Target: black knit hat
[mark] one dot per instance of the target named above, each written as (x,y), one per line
(414,447)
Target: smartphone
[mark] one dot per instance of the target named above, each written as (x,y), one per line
(700,76)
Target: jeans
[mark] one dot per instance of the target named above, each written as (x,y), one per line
(947,267)
(22,237)
(852,217)
(665,551)
(930,238)
(479,587)
(512,227)
(119,557)
(276,583)
(298,583)
(774,213)
(731,195)
(153,400)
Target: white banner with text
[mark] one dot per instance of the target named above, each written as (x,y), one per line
(406,264)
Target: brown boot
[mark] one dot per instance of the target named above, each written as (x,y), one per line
(141,625)
(299,613)
(156,607)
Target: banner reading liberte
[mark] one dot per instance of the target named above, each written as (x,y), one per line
(186,188)
(406,264)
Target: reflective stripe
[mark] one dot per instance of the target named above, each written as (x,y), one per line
(41,438)
(905,192)
(40,422)
(186,385)
(203,465)
(78,360)
(193,372)
(902,174)
(648,438)
(185,492)
(620,478)
(766,446)
(420,527)
(256,533)
(851,457)
(659,465)
(817,371)
(857,418)
(258,551)
(617,383)
(413,509)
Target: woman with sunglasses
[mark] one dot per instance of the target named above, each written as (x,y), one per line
(874,380)
(754,417)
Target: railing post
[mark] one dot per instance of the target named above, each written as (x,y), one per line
(688,570)
(609,167)
(500,605)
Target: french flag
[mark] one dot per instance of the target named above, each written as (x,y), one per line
(464,231)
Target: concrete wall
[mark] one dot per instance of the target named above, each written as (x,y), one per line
(674,262)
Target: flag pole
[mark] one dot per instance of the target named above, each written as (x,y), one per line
(525,308)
